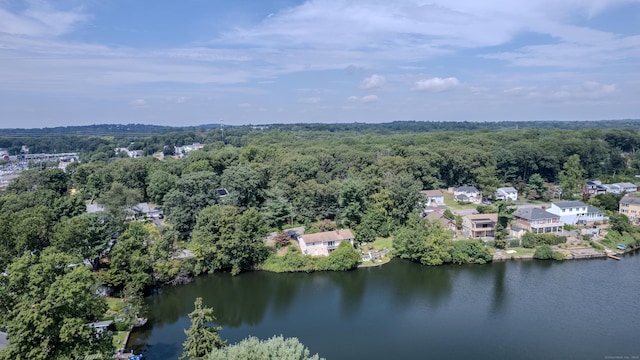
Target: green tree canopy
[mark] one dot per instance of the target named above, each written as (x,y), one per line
(202,337)
(48,300)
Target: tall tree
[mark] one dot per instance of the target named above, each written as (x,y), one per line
(572,176)
(202,337)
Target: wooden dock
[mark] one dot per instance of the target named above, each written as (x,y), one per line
(613,257)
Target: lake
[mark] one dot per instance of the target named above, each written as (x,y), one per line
(580,309)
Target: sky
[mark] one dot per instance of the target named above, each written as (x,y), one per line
(191,62)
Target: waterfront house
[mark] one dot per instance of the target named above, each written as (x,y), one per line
(433,197)
(321,244)
(577,213)
(570,212)
(537,221)
(630,206)
(507,193)
(479,226)
(467,194)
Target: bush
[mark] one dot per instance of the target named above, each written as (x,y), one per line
(558,256)
(121,326)
(470,251)
(543,252)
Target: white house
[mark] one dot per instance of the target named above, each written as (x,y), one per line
(183,150)
(467,194)
(433,197)
(321,244)
(507,193)
(130,153)
(576,212)
(627,187)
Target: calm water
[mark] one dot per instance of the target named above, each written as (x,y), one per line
(586,309)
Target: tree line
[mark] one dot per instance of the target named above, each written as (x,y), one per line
(368,181)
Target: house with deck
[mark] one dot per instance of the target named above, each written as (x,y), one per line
(537,221)
(480,226)
(630,206)
(577,213)
(321,244)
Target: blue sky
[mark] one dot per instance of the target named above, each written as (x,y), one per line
(73,62)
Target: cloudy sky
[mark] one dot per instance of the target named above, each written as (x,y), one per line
(75,62)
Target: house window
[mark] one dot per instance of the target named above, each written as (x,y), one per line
(332,243)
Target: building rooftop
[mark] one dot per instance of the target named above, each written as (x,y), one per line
(467,189)
(534,214)
(630,199)
(508,189)
(569,204)
(431,193)
(327,236)
(482,217)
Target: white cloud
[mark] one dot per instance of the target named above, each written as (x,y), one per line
(435,84)
(373,81)
(40,19)
(310,100)
(369,98)
(138,103)
(589,90)
(365,99)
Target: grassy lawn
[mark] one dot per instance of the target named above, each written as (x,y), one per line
(118,339)
(379,244)
(382,243)
(520,251)
(453,205)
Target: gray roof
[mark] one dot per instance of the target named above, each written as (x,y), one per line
(467,189)
(625,184)
(630,199)
(534,214)
(593,210)
(569,204)
(508,189)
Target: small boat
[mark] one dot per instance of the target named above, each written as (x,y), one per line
(621,246)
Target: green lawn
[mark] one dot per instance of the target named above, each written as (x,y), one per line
(382,243)
(454,205)
(118,339)
(379,244)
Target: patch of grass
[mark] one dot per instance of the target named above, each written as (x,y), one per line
(114,307)
(382,243)
(520,251)
(118,339)
(454,205)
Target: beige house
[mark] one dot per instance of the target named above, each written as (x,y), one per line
(321,244)
(630,206)
(479,226)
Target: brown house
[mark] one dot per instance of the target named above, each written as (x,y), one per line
(480,226)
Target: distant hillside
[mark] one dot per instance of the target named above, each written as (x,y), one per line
(100,130)
(429,126)
(141,130)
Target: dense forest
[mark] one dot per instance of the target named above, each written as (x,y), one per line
(358,176)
